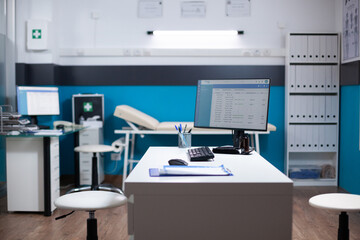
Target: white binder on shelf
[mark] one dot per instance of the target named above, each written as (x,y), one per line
(333,137)
(328,108)
(292,109)
(293,48)
(314,48)
(322,109)
(322,80)
(299,78)
(329,50)
(328,78)
(292,80)
(303,137)
(309,108)
(322,133)
(303,107)
(310,75)
(298,109)
(328,136)
(311,48)
(297,137)
(315,133)
(334,108)
(306,78)
(309,138)
(316,79)
(315,108)
(291,137)
(323,48)
(333,48)
(334,79)
(304,48)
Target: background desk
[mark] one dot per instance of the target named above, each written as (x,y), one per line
(32,172)
(255,203)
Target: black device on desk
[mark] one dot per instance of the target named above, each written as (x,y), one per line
(177,161)
(200,154)
(237,104)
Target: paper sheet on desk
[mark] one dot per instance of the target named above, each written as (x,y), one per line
(46,132)
(176,170)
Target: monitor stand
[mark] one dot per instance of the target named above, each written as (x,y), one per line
(34,121)
(240,144)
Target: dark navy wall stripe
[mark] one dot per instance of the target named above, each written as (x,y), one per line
(350,73)
(50,74)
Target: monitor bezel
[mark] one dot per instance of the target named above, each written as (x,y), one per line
(234,129)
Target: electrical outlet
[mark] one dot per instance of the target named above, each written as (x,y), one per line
(115,156)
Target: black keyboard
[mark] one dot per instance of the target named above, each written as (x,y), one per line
(200,154)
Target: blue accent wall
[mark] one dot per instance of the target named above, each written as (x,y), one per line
(349,169)
(165,103)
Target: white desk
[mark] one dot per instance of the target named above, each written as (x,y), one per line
(130,134)
(254,203)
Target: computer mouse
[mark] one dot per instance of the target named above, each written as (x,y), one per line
(177,162)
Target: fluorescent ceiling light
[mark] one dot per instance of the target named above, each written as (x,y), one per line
(195,33)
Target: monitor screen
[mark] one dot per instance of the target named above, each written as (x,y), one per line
(35,101)
(238,104)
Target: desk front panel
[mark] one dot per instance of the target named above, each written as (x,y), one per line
(255,203)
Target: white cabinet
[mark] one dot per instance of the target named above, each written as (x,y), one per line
(33,174)
(312,108)
(90,136)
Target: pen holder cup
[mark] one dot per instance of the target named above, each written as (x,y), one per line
(184,140)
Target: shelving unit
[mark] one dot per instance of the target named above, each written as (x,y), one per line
(312,108)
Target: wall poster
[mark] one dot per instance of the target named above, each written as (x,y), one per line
(350,41)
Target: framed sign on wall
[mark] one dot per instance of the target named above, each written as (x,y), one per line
(350,36)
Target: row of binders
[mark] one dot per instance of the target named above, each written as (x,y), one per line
(313,108)
(313,48)
(307,138)
(313,78)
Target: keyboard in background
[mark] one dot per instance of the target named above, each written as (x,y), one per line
(200,154)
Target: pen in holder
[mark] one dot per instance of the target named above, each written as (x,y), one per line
(184,140)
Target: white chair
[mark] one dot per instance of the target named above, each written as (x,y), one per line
(340,202)
(90,201)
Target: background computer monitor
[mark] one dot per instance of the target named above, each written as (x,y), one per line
(237,104)
(38,101)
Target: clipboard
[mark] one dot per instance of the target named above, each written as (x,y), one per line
(177,170)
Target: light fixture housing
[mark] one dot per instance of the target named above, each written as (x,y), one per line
(195,32)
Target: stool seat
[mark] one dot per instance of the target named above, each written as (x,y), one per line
(98,148)
(90,200)
(336,201)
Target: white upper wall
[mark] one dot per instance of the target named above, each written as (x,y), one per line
(77,38)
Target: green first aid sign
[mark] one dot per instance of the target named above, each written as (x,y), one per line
(36,33)
(88,106)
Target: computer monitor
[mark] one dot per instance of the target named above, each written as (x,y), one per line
(236,104)
(37,101)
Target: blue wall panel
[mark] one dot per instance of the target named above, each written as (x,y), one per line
(165,103)
(349,169)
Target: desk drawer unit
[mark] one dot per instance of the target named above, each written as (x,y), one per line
(25,170)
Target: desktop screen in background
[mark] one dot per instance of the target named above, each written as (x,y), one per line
(233,104)
(32,101)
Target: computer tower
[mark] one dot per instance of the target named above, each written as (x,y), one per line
(88,110)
